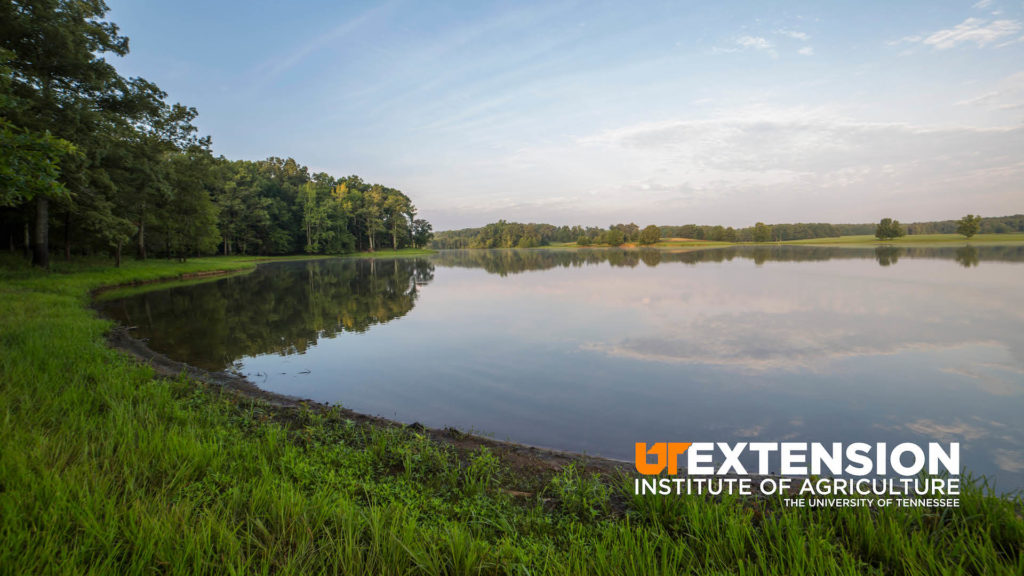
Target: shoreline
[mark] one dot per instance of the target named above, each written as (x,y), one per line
(521,457)
(111,459)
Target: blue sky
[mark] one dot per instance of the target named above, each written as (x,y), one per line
(601,112)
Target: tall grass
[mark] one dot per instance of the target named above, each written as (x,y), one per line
(106,470)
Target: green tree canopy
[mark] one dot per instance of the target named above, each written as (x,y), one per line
(650,235)
(54,49)
(762,233)
(968,225)
(422,233)
(888,228)
(614,237)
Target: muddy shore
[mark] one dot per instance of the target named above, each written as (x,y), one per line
(521,458)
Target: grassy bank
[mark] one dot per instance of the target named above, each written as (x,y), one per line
(673,243)
(106,470)
(915,239)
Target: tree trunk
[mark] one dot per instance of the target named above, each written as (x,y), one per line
(117,254)
(67,235)
(41,246)
(142,236)
(27,249)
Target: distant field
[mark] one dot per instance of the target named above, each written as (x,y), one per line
(863,239)
(915,239)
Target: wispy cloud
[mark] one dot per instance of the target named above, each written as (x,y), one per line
(279,65)
(806,51)
(913,39)
(982,4)
(758,43)
(755,42)
(794,34)
(972,30)
(805,152)
(1008,95)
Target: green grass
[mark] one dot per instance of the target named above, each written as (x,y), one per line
(106,470)
(915,239)
(865,239)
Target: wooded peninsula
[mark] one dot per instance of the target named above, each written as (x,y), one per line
(95,162)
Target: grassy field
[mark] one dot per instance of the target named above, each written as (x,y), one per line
(915,239)
(105,469)
(672,243)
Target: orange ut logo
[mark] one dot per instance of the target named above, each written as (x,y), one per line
(667,453)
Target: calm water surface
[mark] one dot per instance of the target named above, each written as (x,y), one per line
(595,350)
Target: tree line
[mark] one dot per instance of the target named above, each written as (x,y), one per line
(100,162)
(503,234)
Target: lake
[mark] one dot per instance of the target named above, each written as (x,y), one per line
(595,350)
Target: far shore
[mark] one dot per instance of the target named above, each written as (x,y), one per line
(863,240)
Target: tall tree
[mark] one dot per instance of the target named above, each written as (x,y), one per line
(56,66)
(30,164)
(762,233)
(422,233)
(29,161)
(193,214)
(365,206)
(888,228)
(614,237)
(968,225)
(397,212)
(650,235)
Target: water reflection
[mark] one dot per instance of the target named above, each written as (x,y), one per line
(605,348)
(505,262)
(967,256)
(887,255)
(280,309)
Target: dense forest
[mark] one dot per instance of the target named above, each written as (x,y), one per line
(504,234)
(91,162)
(1000,225)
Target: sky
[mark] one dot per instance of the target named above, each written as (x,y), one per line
(602,112)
